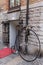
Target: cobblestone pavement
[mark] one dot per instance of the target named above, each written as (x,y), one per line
(16,60)
(7,59)
(19,61)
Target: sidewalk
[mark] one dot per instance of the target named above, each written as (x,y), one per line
(16,60)
(19,61)
(7,59)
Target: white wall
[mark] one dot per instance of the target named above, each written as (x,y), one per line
(13,16)
(12,34)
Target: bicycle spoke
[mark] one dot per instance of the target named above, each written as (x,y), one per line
(29,51)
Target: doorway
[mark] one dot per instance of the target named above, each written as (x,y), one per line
(6,33)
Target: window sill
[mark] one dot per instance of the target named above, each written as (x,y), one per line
(14,9)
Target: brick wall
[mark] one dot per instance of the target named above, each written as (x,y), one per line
(36,20)
(4,4)
(23,2)
(34,1)
(30,1)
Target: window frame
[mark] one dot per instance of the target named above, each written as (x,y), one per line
(15,6)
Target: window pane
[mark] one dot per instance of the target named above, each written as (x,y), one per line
(11,3)
(14,3)
(17,2)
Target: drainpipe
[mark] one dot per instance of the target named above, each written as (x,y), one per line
(27,12)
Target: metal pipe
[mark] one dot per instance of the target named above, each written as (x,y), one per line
(27,12)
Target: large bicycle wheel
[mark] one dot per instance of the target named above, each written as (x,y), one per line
(30,50)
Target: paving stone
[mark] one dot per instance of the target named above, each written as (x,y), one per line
(16,60)
(19,61)
(7,59)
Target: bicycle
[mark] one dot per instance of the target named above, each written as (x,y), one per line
(30,48)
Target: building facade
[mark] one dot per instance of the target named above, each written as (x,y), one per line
(8,14)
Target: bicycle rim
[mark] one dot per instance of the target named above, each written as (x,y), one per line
(33,46)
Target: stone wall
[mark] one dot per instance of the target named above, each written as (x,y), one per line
(36,20)
(35,17)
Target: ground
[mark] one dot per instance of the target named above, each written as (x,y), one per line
(7,59)
(16,60)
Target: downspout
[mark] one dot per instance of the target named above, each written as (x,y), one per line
(27,12)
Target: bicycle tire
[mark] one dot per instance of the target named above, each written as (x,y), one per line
(38,49)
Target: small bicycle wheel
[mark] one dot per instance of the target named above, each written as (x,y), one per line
(30,50)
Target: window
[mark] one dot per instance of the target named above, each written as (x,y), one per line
(14,3)
(11,3)
(17,2)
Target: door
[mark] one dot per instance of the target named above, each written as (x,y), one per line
(6,33)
